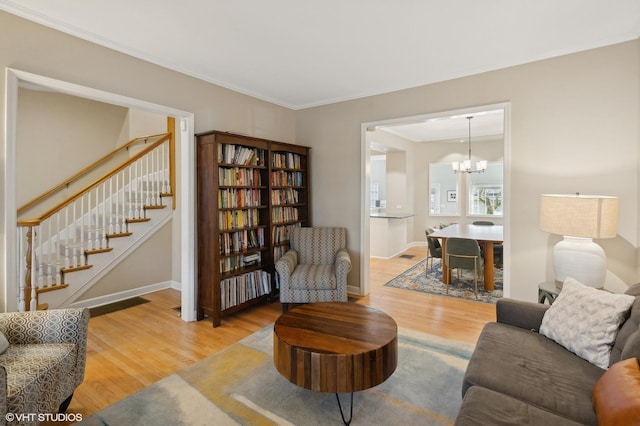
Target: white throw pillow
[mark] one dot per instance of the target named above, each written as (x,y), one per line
(4,343)
(586,320)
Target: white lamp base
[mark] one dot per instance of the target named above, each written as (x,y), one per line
(581,259)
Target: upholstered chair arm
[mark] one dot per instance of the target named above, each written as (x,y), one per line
(54,326)
(521,314)
(343,263)
(286,264)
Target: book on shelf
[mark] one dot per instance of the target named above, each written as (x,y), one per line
(284,214)
(286,160)
(247,239)
(242,288)
(233,198)
(234,176)
(240,155)
(231,219)
(285,196)
(285,178)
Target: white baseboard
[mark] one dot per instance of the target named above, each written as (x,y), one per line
(127,294)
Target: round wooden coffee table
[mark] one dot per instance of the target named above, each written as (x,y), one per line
(335,347)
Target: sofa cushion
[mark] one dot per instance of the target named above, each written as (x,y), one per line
(36,376)
(482,407)
(616,396)
(586,320)
(532,368)
(314,277)
(627,342)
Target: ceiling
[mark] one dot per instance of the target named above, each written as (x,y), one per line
(300,54)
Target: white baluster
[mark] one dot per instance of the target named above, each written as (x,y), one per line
(164,177)
(147,201)
(89,232)
(33,304)
(83,258)
(118,226)
(66,239)
(58,274)
(74,232)
(110,201)
(103,243)
(96,244)
(131,214)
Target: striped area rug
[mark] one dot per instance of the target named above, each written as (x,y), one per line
(240,386)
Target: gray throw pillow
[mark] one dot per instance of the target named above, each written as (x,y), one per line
(586,320)
(4,343)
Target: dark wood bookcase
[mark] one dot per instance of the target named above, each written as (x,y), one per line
(250,192)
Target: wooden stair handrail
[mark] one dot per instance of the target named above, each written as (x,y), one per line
(60,206)
(82,172)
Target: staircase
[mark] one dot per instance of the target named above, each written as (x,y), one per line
(72,245)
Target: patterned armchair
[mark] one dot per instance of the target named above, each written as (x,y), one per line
(44,362)
(315,268)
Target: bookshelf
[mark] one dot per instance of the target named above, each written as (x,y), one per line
(250,192)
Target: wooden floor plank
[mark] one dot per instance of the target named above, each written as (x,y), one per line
(135,347)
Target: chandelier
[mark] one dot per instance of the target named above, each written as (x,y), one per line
(465,166)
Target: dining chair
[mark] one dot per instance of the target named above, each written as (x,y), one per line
(497,248)
(464,253)
(434,250)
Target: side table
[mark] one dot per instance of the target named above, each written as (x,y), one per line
(548,291)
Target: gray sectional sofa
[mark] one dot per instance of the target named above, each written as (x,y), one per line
(517,376)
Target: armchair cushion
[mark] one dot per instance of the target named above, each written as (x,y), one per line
(314,277)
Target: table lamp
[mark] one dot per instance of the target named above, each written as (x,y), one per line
(579,219)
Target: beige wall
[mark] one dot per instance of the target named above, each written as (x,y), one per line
(36,49)
(574,127)
(60,134)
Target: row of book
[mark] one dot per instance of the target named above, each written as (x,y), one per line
(285,196)
(232,198)
(232,219)
(237,290)
(286,160)
(242,155)
(281,234)
(239,241)
(284,178)
(284,214)
(235,263)
(235,176)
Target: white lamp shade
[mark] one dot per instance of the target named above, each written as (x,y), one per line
(589,216)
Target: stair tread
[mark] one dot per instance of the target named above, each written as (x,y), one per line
(120,235)
(75,268)
(51,288)
(96,251)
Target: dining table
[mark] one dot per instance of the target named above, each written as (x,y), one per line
(486,235)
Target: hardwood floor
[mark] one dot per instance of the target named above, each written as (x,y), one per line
(130,349)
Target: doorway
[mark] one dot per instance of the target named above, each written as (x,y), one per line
(185,211)
(418,207)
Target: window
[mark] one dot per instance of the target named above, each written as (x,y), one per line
(485,191)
